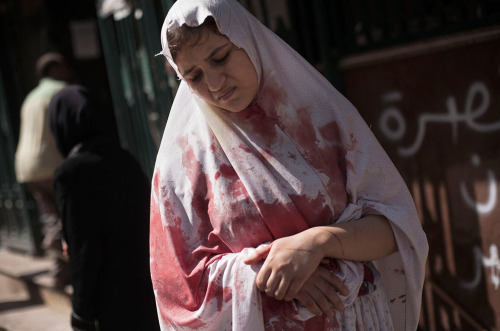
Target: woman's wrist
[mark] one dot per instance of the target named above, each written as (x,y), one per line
(327,241)
(321,241)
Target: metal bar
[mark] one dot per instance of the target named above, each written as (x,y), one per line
(449,300)
(155,66)
(304,23)
(112,59)
(19,226)
(166,4)
(324,38)
(132,82)
(263,10)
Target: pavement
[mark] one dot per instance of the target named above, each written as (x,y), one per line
(28,301)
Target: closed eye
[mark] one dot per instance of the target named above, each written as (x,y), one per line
(222,59)
(196,77)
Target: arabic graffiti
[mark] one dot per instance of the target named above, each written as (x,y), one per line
(472,111)
(478,270)
(493,262)
(489,205)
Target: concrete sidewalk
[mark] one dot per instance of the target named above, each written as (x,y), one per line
(27,300)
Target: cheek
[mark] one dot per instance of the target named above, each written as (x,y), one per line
(251,75)
(253,81)
(246,73)
(200,90)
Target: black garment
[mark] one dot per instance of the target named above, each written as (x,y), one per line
(75,118)
(103,200)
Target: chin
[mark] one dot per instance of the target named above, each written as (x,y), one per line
(235,107)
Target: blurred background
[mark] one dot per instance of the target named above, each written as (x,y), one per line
(425,75)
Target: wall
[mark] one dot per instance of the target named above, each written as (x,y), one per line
(435,108)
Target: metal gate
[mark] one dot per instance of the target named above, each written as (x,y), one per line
(18,217)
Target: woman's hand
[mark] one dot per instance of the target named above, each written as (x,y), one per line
(320,293)
(289,262)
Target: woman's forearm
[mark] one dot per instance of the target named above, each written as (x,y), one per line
(368,238)
(290,261)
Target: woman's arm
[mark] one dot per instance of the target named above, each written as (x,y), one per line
(290,261)
(366,239)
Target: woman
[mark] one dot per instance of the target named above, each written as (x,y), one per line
(268,186)
(103,199)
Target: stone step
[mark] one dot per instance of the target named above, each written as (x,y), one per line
(22,308)
(34,274)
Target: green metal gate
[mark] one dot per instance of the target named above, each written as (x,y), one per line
(18,217)
(139,82)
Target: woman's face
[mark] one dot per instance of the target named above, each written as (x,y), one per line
(219,72)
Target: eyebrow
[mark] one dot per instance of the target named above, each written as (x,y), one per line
(212,53)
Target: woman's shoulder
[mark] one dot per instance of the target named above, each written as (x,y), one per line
(79,165)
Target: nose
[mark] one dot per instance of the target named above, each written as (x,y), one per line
(215,80)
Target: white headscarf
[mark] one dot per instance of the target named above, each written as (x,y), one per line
(301,156)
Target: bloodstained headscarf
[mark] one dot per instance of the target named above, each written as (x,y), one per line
(224,183)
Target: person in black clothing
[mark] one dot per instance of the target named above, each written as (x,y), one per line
(103,199)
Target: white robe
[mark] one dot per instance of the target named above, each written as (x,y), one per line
(299,156)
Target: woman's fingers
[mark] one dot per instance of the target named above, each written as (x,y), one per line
(272,284)
(308,302)
(282,289)
(289,262)
(314,298)
(321,292)
(329,293)
(325,261)
(294,289)
(258,255)
(321,300)
(262,278)
(333,281)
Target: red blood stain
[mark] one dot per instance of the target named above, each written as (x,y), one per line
(271,98)
(245,148)
(201,187)
(275,213)
(237,190)
(226,294)
(193,167)
(329,159)
(305,130)
(316,211)
(215,291)
(331,132)
(227,171)
(280,315)
(162,246)
(156,179)
(235,187)
(353,141)
(399,271)
(255,120)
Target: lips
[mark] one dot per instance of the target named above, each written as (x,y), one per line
(225,95)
